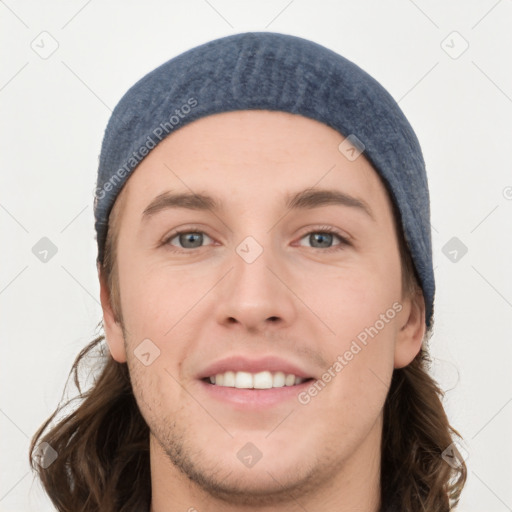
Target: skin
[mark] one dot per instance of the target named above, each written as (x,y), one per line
(296,301)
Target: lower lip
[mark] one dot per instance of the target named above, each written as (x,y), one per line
(254,398)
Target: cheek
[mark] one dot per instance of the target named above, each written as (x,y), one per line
(151,302)
(356,298)
(361,361)
(159,311)
(362,310)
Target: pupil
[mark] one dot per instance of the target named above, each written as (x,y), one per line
(190,238)
(321,236)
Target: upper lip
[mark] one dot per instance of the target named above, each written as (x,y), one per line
(239,363)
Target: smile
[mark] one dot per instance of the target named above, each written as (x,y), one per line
(260,380)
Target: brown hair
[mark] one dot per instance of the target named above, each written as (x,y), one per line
(103,445)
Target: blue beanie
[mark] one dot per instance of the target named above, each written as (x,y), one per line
(272,71)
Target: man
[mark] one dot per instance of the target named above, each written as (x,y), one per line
(267,292)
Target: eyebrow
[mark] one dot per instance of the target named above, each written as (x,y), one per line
(303,200)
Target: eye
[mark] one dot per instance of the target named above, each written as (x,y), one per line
(322,238)
(187,239)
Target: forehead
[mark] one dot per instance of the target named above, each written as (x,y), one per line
(252,155)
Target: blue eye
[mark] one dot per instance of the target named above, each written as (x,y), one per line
(324,239)
(188,239)
(324,236)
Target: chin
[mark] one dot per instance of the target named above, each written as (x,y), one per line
(259,485)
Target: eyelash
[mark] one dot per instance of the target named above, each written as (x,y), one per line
(323,229)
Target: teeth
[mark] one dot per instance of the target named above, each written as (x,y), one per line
(290,380)
(279,380)
(261,380)
(229,379)
(243,380)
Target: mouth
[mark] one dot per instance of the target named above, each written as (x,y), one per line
(261,380)
(250,384)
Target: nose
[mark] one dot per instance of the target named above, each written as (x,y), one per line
(257,293)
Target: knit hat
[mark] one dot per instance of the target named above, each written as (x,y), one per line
(272,71)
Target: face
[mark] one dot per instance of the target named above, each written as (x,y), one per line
(286,272)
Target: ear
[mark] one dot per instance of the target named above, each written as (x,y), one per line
(411,331)
(113,329)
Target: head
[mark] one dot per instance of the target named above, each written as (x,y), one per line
(266,265)
(297,301)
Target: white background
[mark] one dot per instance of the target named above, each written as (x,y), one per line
(54,112)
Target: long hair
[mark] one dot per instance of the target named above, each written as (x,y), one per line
(102,446)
